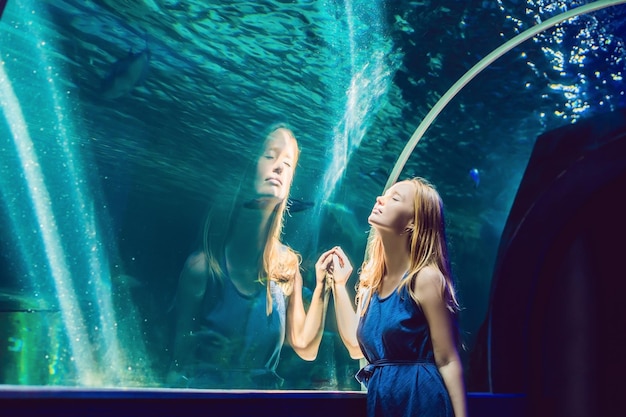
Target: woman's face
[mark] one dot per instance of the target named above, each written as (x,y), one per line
(275,166)
(394,210)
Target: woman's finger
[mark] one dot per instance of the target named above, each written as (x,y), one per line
(325,256)
(340,251)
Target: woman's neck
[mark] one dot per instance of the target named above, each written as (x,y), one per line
(246,243)
(397,256)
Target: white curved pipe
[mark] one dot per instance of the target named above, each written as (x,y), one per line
(481,65)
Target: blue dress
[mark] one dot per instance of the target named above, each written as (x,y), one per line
(401,376)
(238,345)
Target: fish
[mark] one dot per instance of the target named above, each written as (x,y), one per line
(475,176)
(125,74)
(379,175)
(344,218)
(295,205)
(340,222)
(127,280)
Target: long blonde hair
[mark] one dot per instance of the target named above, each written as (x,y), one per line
(427,246)
(279,262)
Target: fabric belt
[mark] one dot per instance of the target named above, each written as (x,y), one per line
(365,373)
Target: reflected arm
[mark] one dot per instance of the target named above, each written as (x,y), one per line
(189,294)
(347,318)
(305,328)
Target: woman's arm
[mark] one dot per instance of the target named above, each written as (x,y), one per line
(427,292)
(189,294)
(305,329)
(347,318)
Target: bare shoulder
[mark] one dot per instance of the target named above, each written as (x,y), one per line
(196,264)
(428,285)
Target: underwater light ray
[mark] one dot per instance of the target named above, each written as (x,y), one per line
(101,291)
(479,67)
(40,200)
(369,81)
(22,244)
(339,155)
(114,363)
(22,241)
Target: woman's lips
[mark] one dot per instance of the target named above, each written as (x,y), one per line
(274,180)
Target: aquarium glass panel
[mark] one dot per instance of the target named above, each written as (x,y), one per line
(172,171)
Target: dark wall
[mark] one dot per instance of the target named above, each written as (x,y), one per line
(555,328)
(578,323)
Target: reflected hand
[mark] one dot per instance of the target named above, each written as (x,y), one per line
(323,269)
(342,268)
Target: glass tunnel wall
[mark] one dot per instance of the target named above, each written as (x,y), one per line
(132,136)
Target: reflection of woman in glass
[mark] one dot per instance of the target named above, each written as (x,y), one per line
(405,323)
(240,297)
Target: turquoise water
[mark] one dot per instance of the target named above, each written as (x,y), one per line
(104,193)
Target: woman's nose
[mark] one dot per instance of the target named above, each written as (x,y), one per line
(379,200)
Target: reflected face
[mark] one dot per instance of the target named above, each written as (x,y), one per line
(395,209)
(276,165)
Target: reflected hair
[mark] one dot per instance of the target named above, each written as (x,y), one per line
(427,245)
(279,262)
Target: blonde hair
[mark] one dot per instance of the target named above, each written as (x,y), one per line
(279,262)
(427,246)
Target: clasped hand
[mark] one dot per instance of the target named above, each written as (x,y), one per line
(333,268)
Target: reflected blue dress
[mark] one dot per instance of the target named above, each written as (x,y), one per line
(401,376)
(238,344)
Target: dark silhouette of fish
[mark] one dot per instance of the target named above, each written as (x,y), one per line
(125,74)
(295,205)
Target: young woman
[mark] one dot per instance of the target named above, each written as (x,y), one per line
(405,321)
(240,297)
